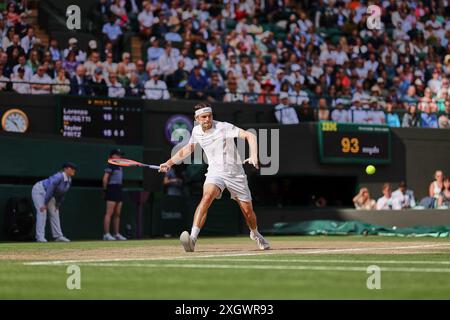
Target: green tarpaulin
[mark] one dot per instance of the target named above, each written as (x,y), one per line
(330,227)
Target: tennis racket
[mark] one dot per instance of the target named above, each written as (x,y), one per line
(131,163)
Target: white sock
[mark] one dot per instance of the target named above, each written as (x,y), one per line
(255,232)
(194,232)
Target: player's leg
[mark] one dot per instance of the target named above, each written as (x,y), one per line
(110,205)
(38,196)
(250,219)
(210,192)
(55,222)
(116,221)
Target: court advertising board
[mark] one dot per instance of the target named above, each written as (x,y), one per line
(354,143)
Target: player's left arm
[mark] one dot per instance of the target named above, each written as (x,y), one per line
(253,143)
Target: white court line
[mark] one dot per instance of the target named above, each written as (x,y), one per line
(314,251)
(267,267)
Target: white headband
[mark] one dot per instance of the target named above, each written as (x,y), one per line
(202,111)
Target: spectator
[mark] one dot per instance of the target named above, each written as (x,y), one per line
(7,39)
(387,202)
(444,196)
(27,42)
(115,88)
(135,88)
(15,45)
(173,184)
(284,113)
(322,112)
(428,119)
(411,119)
(404,196)
(156,89)
(141,72)
(113,33)
(180,77)
(392,119)
(54,50)
(168,61)
(155,51)
(376,115)
(362,200)
(146,20)
(92,63)
(197,83)
(98,85)
(22,63)
(41,82)
(80,55)
(122,75)
(109,65)
(20,83)
(130,67)
(215,92)
(340,114)
(71,63)
(358,114)
(297,96)
(61,85)
(232,94)
(436,187)
(251,96)
(4,81)
(267,95)
(79,83)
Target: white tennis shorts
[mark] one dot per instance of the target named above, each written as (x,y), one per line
(236,185)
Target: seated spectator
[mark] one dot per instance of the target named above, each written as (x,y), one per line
(54,50)
(4,81)
(113,33)
(130,67)
(79,83)
(436,187)
(443,121)
(426,101)
(251,96)
(297,95)
(215,92)
(141,72)
(15,45)
(146,19)
(98,84)
(411,96)
(122,76)
(28,41)
(387,202)
(411,118)
(359,115)
(61,85)
(322,112)
(362,200)
(179,78)
(404,196)
(40,82)
(232,94)
(108,65)
(155,51)
(267,95)
(392,119)
(80,55)
(71,64)
(197,83)
(115,88)
(135,88)
(444,196)
(340,114)
(284,113)
(92,63)
(173,184)
(20,83)
(33,61)
(375,114)
(428,119)
(168,61)
(156,89)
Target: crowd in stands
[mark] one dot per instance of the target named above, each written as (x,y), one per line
(297,55)
(403,198)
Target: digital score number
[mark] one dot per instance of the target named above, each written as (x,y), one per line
(353,143)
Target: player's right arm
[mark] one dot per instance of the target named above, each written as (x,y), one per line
(177,157)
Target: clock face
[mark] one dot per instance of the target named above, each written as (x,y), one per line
(15,121)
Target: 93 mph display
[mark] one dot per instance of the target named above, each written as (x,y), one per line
(101,118)
(354,143)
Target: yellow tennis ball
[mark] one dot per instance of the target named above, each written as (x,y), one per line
(370,169)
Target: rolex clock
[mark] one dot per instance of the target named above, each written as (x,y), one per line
(15,120)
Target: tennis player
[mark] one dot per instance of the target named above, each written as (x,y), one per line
(224,171)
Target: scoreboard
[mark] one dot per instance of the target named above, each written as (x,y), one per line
(354,143)
(118,120)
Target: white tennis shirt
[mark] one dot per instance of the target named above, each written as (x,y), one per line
(220,149)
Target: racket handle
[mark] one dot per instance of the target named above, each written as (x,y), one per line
(152,166)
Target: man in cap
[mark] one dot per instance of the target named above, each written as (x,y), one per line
(340,114)
(284,113)
(156,89)
(224,171)
(112,190)
(48,195)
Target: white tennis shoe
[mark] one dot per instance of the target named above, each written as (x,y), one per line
(62,239)
(41,240)
(260,241)
(187,242)
(108,237)
(120,237)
